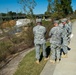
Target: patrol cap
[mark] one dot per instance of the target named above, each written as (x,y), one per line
(38,20)
(56,21)
(63,20)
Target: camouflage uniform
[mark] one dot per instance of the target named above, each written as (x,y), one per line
(55,40)
(70,27)
(61,25)
(39,40)
(65,39)
(70,31)
(65,33)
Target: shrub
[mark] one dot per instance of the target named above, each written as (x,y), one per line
(48,25)
(4,49)
(13,43)
(16,40)
(28,35)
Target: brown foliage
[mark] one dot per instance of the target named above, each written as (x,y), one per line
(8,23)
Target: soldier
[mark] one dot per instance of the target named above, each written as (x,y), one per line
(39,32)
(70,29)
(70,25)
(55,40)
(61,25)
(65,30)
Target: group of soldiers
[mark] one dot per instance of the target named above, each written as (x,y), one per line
(59,39)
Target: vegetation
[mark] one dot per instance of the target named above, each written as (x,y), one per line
(59,8)
(48,25)
(11,44)
(28,6)
(4,49)
(11,16)
(17,42)
(28,66)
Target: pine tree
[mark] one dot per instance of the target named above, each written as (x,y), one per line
(66,6)
(59,8)
(50,7)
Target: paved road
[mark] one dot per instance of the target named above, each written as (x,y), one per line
(67,66)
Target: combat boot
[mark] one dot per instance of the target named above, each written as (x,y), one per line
(52,61)
(45,59)
(57,61)
(64,56)
(37,61)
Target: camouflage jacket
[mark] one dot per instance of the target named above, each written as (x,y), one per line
(55,34)
(70,27)
(61,25)
(39,34)
(65,33)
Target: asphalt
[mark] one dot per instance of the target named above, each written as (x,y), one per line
(67,66)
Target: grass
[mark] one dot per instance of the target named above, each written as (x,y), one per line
(28,66)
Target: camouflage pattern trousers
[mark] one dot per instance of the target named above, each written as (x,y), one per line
(55,51)
(37,47)
(65,45)
(65,49)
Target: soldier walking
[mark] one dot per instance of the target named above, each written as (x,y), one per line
(70,25)
(65,32)
(55,40)
(39,32)
(70,29)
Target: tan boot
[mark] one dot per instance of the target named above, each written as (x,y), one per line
(63,56)
(66,55)
(37,61)
(52,61)
(57,61)
(45,59)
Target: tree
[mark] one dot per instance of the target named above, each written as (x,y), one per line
(58,12)
(66,6)
(3,14)
(10,13)
(75,12)
(28,6)
(59,8)
(50,8)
